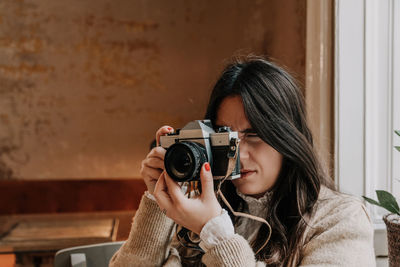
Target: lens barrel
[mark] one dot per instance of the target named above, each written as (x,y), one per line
(183,161)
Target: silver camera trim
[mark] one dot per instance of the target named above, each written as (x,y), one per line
(201,131)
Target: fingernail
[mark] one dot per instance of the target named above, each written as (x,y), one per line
(207,166)
(169,129)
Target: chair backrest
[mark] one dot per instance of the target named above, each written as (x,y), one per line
(97,255)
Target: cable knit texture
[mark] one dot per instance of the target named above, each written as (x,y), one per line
(148,242)
(339,234)
(221,254)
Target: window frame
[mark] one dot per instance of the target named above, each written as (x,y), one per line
(366,57)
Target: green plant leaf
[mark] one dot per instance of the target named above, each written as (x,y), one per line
(370,200)
(398,148)
(388,201)
(397,132)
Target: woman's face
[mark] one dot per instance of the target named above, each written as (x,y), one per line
(260,163)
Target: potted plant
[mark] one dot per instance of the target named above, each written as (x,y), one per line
(392,220)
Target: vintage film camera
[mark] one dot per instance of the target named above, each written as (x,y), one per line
(196,143)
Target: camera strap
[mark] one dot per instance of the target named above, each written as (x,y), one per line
(184,236)
(231,166)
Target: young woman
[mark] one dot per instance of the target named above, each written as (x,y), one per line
(281,180)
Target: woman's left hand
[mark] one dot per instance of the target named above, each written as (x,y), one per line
(191,213)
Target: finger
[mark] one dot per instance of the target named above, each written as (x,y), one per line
(174,189)
(153,163)
(163,131)
(151,174)
(157,152)
(207,181)
(161,194)
(151,168)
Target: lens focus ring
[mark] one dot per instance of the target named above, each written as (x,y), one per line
(183,161)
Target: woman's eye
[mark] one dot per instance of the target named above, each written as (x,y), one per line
(252,138)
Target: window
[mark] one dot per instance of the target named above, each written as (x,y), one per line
(367,101)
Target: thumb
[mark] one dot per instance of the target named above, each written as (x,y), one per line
(207,181)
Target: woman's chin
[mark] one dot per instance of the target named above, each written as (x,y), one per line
(246,190)
(249,190)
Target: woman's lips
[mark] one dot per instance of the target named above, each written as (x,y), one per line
(246,173)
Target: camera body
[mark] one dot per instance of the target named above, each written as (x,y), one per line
(196,143)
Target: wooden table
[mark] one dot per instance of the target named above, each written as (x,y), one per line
(35,238)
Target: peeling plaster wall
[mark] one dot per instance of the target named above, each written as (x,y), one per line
(84,85)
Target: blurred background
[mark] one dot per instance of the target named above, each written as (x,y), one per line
(85,84)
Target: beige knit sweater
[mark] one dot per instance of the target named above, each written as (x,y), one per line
(340,234)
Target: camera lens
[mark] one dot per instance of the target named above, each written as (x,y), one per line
(183,161)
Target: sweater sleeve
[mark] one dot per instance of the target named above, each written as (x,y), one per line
(149,240)
(340,235)
(235,252)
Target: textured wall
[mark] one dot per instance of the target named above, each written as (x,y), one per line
(85,84)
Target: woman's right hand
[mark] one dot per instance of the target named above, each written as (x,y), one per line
(153,165)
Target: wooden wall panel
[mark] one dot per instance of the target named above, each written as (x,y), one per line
(38,196)
(319,91)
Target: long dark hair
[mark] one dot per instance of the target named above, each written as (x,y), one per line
(275,108)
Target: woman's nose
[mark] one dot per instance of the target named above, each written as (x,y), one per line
(243,150)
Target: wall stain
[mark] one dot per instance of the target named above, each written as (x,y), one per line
(23,44)
(111,63)
(92,97)
(6,173)
(132,26)
(51,101)
(131,46)
(109,97)
(25,69)
(96,46)
(120,111)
